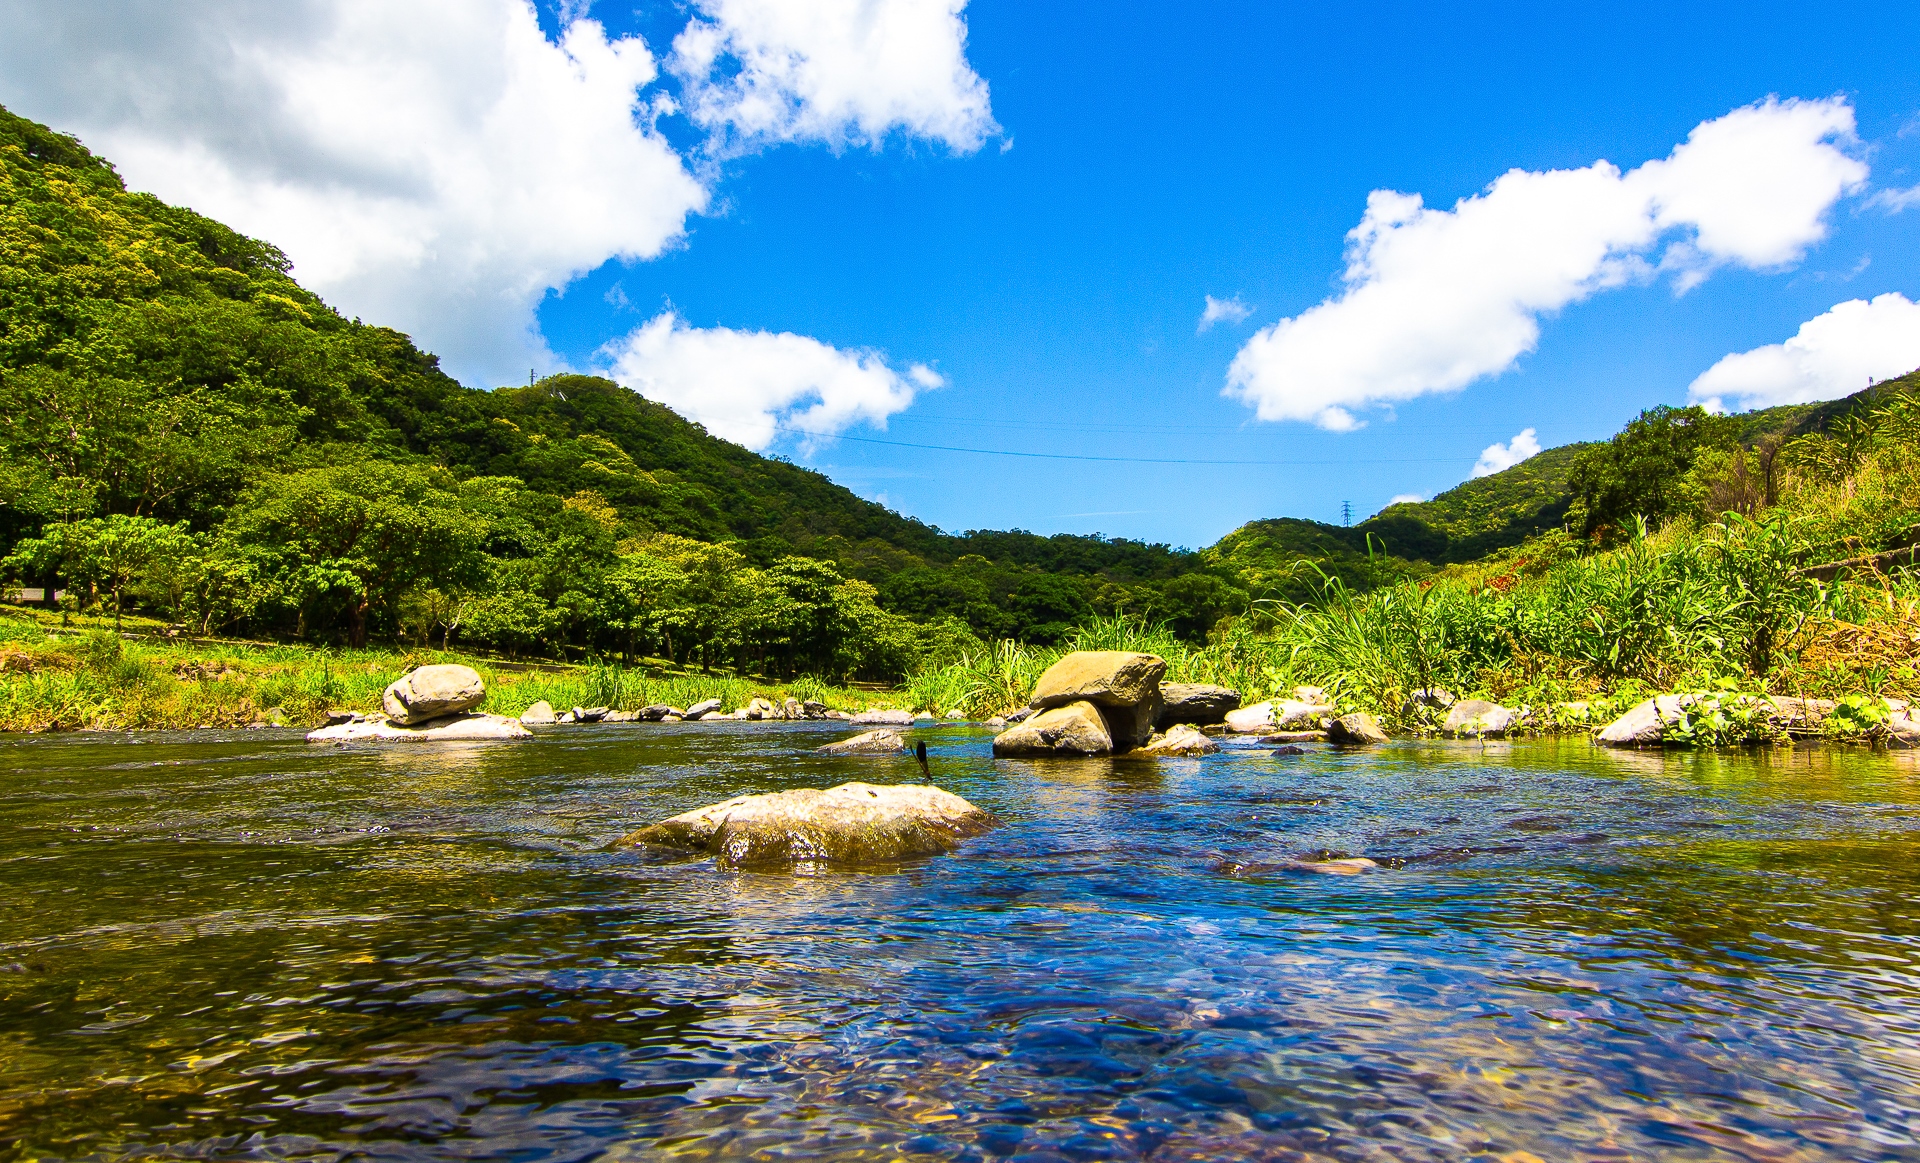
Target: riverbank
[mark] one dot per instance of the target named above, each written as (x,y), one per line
(95,679)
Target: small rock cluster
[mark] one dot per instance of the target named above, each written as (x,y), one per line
(431,703)
(1111,702)
(759,709)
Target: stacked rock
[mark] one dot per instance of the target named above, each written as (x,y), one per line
(1092,702)
(430,703)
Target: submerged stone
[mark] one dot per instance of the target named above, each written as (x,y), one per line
(854,823)
(871,743)
(1180,740)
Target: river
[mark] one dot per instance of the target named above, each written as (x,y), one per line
(239,946)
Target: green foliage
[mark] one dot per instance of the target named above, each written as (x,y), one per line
(1724,717)
(1482,515)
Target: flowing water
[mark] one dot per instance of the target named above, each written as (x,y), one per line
(239,946)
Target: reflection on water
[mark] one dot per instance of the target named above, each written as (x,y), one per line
(239,947)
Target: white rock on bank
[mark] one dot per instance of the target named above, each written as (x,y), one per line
(540,712)
(883,719)
(1478,717)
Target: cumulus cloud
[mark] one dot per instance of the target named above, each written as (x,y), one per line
(1222,311)
(1896,200)
(843,72)
(1406,499)
(1436,299)
(1832,355)
(436,166)
(1498,457)
(746,386)
(440,165)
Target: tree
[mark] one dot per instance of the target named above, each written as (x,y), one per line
(1642,472)
(364,532)
(111,552)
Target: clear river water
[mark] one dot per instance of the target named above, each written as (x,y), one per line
(239,946)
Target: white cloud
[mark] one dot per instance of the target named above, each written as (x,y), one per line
(1436,299)
(746,386)
(1896,200)
(1222,311)
(836,71)
(1832,355)
(1406,499)
(439,166)
(435,166)
(1497,457)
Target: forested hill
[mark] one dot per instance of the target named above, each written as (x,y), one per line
(158,367)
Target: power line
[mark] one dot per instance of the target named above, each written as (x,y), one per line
(1124,459)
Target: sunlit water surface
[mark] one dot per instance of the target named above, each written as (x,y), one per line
(239,946)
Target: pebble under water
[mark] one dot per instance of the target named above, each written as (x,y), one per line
(238,946)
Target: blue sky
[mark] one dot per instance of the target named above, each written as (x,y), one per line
(1157,158)
(1146,156)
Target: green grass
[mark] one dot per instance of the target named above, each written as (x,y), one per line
(52,680)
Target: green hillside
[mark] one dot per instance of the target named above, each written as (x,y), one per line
(163,378)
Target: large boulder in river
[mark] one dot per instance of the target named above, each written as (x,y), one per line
(463,728)
(1075,729)
(1195,702)
(1124,684)
(871,743)
(432,691)
(1110,678)
(855,823)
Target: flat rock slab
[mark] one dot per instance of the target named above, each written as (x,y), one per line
(852,824)
(883,719)
(1195,702)
(451,729)
(871,743)
(1112,678)
(430,692)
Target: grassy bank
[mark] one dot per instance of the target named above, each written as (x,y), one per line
(54,680)
(1722,608)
